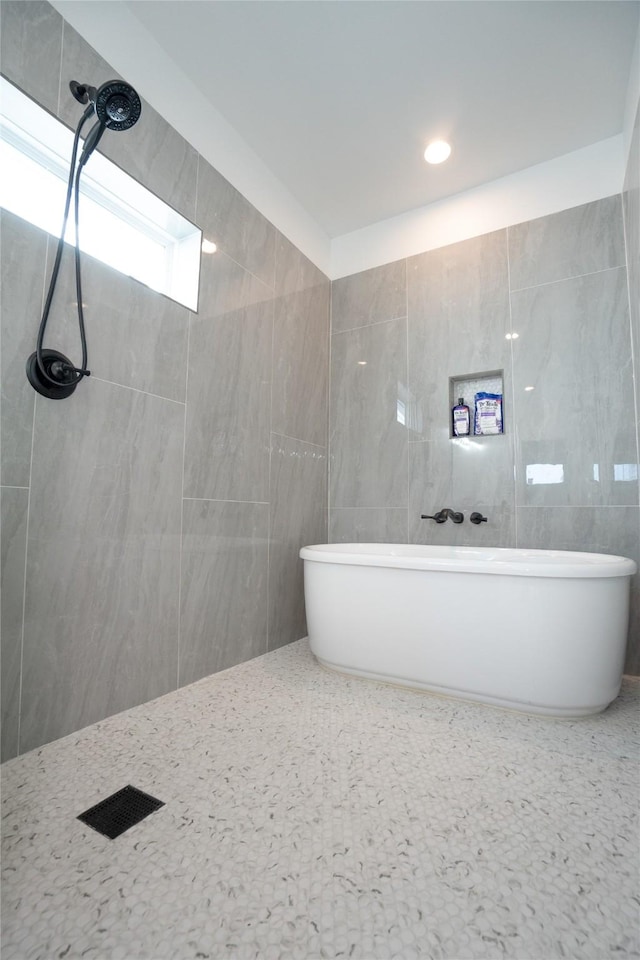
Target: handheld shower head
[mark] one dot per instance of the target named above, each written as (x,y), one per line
(116,103)
(116,106)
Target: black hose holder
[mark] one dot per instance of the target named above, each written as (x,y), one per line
(57,367)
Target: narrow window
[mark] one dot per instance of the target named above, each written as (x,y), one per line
(121,222)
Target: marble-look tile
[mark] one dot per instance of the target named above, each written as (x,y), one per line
(21,293)
(369,297)
(298,517)
(367,525)
(135,336)
(151,151)
(614,530)
(467,475)
(299,403)
(368,407)
(458,321)
(30,48)
(498,531)
(229,386)
(446,473)
(573,349)
(294,271)
(82,63)
(13,504)
(101,616)
(631,212)
(567,244)
(234,224)
(223,600)
(310,814)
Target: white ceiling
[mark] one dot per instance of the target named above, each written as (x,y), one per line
(340,97)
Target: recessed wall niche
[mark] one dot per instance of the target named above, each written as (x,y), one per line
(467,386)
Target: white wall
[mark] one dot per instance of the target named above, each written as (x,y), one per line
(589,174)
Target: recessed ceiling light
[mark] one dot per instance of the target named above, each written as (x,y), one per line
(529,388)
(208,246)
(437,151)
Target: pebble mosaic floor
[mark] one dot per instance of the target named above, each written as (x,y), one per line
(312,815)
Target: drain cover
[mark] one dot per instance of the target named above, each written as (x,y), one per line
(121,810)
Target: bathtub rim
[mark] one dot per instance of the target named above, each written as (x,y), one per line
(502,561)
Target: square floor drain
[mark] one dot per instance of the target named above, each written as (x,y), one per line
(121,810)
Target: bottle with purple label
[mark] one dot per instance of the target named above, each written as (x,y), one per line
(461,419)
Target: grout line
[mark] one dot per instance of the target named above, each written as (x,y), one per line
(218,500)
(12,486)
(182,499)
(195,199)
(578,276)
(365,326)
(271,435)
(124,386)
(513,401)
(28,520)
(634,359)
(577,506)
(59,100)
(406,428)
(308,443)
(329,382)
(24,580)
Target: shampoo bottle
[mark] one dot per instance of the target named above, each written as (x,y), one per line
(461,419)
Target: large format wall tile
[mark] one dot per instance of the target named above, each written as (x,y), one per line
(298,517)
(223,598)
(135,336)
(23,261)
(101,615)
(470,470)
(13,503)
(151,151)
(294,271)
(25,28)
(300,348)
(567,244)
(458,321)
(234,225)
(469,475)
(369,297)
(614,530)
(367,525)
(368,409)
(576,435)
(631,208)
(498,531)
(229,386)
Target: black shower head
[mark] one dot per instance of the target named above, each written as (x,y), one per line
(116,103)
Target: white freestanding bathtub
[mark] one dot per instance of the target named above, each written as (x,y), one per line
(540,631)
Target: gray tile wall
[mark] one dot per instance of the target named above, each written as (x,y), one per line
(151,523)
(560,284)
(631,210)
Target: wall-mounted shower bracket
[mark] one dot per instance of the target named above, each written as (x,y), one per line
(56,366)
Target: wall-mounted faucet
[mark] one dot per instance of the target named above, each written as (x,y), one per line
(477,518)
(443,515)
